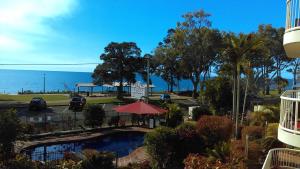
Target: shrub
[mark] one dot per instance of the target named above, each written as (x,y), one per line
(254,132)
(143,165)
(214,129)
(94,115)
(220,152)
(189,140)
(21,162)
(198,112)
(174,116)
(114,121)
(237,153)
(97,160)
(272,130)
(9,131)
(270,141)
(28,128)
(66,164)
(270,114)
(161,145)
(195,161)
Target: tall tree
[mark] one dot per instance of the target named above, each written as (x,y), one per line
(121,62)
(237,48)
(166,61)
(274,59)
(198,46)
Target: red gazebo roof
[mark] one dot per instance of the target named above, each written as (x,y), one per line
(140,107)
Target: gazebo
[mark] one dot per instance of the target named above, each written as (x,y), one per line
(142,108)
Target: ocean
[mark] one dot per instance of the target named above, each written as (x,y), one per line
(14,81)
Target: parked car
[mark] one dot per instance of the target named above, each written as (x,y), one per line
(77,103)
(165,97)
(37,103)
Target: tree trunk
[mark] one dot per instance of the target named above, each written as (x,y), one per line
(245,98)
(237,101)
(120,90)
(202,87)
(195,84)
(172,84)
(178,86)
(268,89)
(233,94)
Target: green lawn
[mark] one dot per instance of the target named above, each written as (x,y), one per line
(28,97)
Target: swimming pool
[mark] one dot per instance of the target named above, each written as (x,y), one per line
(121,144)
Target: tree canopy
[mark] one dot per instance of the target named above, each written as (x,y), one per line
(121,62)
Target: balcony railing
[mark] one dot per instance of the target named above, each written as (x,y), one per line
(292,15)
(289,112)
(282,158)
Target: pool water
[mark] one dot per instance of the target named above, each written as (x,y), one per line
(121,144)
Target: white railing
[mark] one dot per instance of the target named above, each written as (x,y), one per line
(292,15)
(289,111)
(282,158)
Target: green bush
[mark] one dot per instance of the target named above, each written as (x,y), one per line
(214,129)
(10,129)
(218,94)
(94,115)
(174,116)
(161,145)
(97,160)
(198,112)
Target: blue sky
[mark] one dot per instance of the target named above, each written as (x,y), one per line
(76,31)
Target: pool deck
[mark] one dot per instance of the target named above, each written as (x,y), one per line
(21,145)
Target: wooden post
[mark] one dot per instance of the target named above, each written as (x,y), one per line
(247,146)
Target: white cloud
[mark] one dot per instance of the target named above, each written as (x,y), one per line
(23,22)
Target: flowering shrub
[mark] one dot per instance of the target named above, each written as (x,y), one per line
(214,129)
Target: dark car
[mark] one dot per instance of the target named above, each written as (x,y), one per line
(77,103)
(165,97)
(37,103)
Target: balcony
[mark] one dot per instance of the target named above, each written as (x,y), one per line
(289,125)
(282,158)
(291,40)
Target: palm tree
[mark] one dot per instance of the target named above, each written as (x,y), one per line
(237,47)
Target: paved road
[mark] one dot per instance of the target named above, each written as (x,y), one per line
(56,114)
